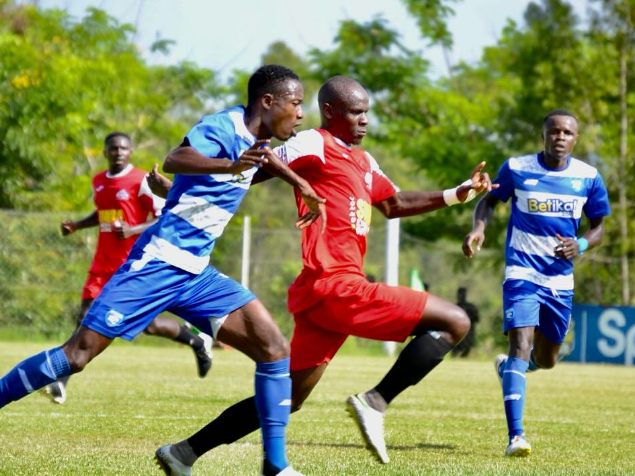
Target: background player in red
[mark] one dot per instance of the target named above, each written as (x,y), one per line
(331,298)
(123,201)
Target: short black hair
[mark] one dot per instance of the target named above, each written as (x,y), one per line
(268,79)
(559,112)
(112,135)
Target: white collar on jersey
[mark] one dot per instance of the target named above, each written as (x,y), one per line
(342,143)
(120,174)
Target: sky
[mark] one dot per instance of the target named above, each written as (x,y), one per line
(232,34)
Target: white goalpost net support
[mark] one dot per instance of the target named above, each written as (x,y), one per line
(392,266)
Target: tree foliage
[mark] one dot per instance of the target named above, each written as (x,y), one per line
(66,82)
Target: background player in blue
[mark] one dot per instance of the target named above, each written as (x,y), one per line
(168,267)
(549,192)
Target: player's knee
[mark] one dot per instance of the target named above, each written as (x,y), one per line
(277,349)
(79,354)
(460,324)
(77,359)
(520,347)
(545,362)
(151,329)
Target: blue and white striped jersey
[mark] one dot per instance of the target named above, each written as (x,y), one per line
(199,207)
(546,201)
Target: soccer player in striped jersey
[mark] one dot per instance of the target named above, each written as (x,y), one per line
(550,191)
(168,267)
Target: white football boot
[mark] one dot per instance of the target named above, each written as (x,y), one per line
(371,424)
(204,355)
(518,447)
(56,392)
(498,361)
(289,471)
(169,464)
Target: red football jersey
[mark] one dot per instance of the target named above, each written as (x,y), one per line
(351,182)
(124,197)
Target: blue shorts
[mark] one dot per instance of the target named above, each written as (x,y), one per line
(526,304)
(144,286)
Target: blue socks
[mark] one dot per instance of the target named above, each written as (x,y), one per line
(32,374)
(514,372)
(273,401)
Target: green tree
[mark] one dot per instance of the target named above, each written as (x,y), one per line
(66,83)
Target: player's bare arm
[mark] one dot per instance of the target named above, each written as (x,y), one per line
(69,226)
(483,214)
(405,204)
(124,231)
(187,160)
(159,184)
(569,248)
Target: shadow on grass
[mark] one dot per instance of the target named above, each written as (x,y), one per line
(419,446)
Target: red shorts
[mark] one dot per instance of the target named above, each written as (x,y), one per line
(355,307)
(94,284)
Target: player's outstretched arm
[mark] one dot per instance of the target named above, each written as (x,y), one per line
(569,248)
(483,214)
(187,160)
(405,204)
(70,226)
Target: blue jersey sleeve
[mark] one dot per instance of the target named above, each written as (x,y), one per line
(213,136)
(505,180)
(597,204)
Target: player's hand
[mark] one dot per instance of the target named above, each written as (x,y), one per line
(68,227)
(567,248)
(122,230)
(473,236)
(255,156)
(317,208)
(478,182)
(159,184)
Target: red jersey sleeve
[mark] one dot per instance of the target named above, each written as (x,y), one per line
(304,152)
(382,187)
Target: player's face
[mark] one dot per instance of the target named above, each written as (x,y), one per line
(285,112)
(560,134)
(349,118)
(118,151)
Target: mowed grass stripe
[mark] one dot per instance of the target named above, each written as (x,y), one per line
(580,420)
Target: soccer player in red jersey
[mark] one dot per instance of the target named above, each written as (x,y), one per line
(331,298)
(123,201)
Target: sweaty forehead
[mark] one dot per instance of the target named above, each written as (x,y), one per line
(355,98)
(562,122)
(290,89)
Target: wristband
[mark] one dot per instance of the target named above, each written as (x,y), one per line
(451,198)
(583,245)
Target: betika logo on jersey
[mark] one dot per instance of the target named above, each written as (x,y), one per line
(360,213)
(551,205)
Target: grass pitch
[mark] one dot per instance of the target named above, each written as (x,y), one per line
(580,420)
